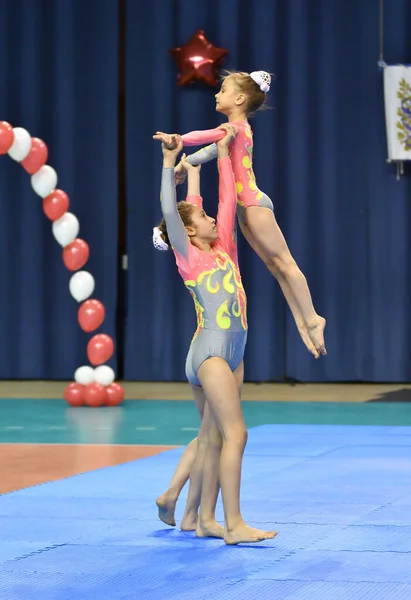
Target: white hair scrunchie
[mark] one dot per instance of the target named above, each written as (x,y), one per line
(158,241)
(262,79)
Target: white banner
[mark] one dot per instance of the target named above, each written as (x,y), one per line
(397,96)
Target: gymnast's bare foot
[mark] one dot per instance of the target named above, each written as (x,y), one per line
(316,333)
(303,331)
(189,521)
(242,533)
(166,507)
(209,529)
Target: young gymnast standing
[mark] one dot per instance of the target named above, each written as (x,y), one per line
(206,257)
(240,95)
(190,466)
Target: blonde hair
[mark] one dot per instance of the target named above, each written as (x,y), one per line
(185,210)
(256,98)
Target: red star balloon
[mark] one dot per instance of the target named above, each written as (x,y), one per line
(198,60)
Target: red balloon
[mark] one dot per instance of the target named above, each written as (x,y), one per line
(37,157)
(55,204)
(91,315)
(198,60)
(95,394)
(74,394)
(100,349)
(76,254)
(115,394)
(6,137)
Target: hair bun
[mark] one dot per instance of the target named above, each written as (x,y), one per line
(158,241)
(262,79)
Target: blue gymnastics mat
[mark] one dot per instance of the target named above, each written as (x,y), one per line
(339,496)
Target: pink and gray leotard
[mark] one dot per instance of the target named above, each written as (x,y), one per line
(241,153)
(212,278)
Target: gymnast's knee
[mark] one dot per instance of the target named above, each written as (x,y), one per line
(236,434)
(281,264)
(215,439)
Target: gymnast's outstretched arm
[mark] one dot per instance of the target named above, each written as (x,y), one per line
(176,231)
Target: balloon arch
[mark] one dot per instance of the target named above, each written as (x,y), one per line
(92,386)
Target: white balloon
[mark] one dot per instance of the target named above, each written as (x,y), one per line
(44,181)
(84,375)
(66,229)
(21,145)
(81,285)
(104,375)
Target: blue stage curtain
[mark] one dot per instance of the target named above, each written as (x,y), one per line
(58,73)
